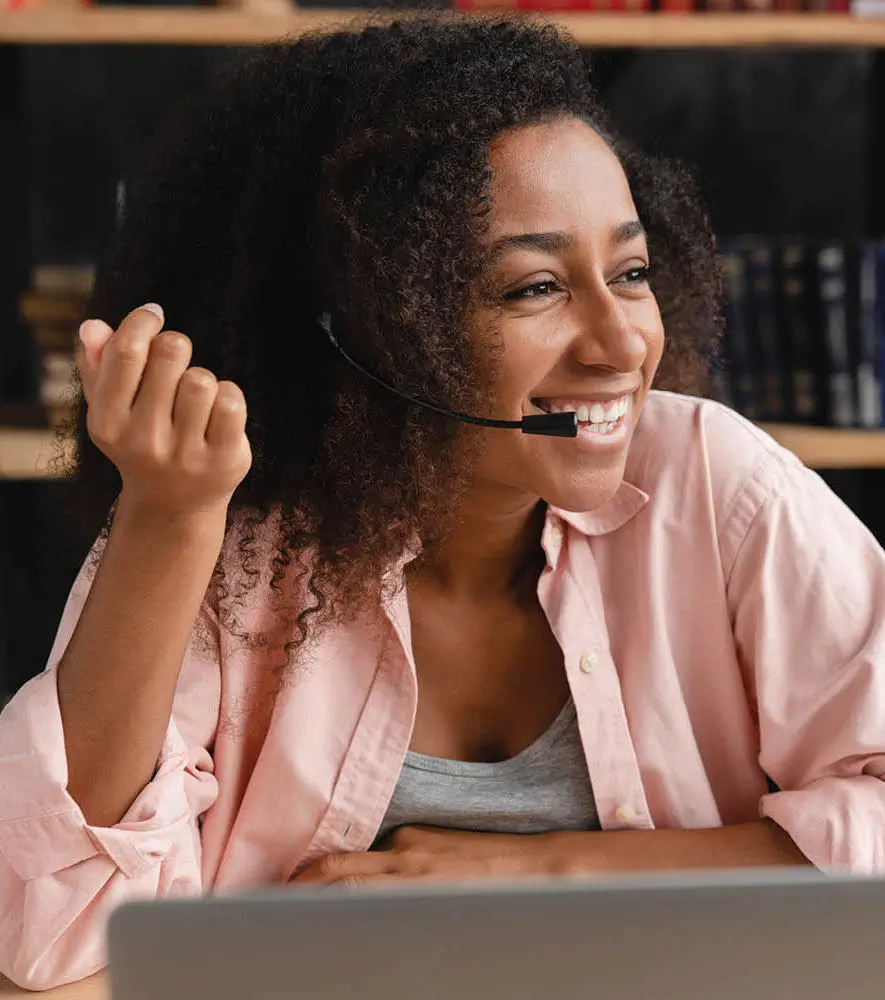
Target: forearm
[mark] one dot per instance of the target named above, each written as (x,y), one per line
(758,844)
(117,678)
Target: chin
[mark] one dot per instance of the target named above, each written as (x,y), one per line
(584,492)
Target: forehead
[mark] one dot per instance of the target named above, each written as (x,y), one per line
(559,176)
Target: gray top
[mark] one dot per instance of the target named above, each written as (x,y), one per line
(545,787)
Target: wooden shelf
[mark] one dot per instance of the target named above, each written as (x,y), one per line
(27,453)
(244,26)
(830,447)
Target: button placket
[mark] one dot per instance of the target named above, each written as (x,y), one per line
(596,687)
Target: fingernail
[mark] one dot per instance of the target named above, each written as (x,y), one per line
(83,326)
(154,308)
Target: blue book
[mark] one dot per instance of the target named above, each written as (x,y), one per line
(842,410)
(868,371)
(744,390)
(765,340)
(880,320)
(803,397)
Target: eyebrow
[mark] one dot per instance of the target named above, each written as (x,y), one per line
(556,242)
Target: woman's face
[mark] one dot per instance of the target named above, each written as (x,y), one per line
(569,300)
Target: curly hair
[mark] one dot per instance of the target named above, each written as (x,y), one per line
(349,172)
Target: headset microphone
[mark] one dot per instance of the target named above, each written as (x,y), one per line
(550,424)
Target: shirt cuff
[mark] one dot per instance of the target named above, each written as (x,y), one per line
(837,823)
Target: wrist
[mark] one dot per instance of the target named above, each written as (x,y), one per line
(157,520)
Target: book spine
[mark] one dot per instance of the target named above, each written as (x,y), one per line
(764,328)
(743,384)
(869,384)
(803,398)
(831,272)
(880,321)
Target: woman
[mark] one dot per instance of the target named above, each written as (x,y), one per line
(351,639)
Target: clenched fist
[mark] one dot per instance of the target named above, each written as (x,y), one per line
(175,433)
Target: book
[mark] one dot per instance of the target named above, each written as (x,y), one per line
(736,339)
(803,403)
(52,309)
(764,335)
(842,411)
(880,322)
(868,374)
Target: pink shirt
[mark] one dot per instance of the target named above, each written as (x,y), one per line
(721,619)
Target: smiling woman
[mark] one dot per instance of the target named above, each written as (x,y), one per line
(328,634)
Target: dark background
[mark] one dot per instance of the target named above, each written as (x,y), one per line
(785,142)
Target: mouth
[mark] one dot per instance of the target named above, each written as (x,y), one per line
(594,416)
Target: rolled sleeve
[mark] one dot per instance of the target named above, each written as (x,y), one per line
(807,589)
(60,876)
(42,829)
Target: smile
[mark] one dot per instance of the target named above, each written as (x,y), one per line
(594,416)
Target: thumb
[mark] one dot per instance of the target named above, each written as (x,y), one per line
(94,336)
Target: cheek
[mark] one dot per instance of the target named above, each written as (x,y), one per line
(654,345)
(525,363)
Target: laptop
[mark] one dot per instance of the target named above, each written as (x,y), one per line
(727,936)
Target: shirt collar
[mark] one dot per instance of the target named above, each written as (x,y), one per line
(627,502)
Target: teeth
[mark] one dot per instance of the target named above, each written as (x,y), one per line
(596,415)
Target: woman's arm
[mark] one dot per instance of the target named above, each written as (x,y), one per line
(806,585)
(759,844)
(427,853)
(117,677)
(101,789)
(177,437)
(59,875)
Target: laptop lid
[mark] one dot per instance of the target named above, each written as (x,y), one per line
(729,936)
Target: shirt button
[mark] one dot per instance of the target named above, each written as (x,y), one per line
(588,663)
(625,813)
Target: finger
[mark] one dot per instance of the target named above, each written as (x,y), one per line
(197,389)
(169,355)
(227,421)
(123,362)
(93,335)
(335,867)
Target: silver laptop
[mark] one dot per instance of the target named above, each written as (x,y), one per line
(729,936)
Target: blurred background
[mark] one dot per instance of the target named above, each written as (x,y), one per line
(778,109)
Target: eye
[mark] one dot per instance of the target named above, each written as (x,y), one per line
(539,290)
(635,276)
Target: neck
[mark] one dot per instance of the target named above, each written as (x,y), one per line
(493,549)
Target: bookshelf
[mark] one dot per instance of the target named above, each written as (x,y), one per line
(26,453)
(29,453)
(256,25)
(832,447)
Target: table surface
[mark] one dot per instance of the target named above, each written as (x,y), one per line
(93,988)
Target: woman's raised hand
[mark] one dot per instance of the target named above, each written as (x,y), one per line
(175,433)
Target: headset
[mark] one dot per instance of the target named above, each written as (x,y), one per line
(549,424)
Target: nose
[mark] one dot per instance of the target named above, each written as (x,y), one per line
(610,334)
